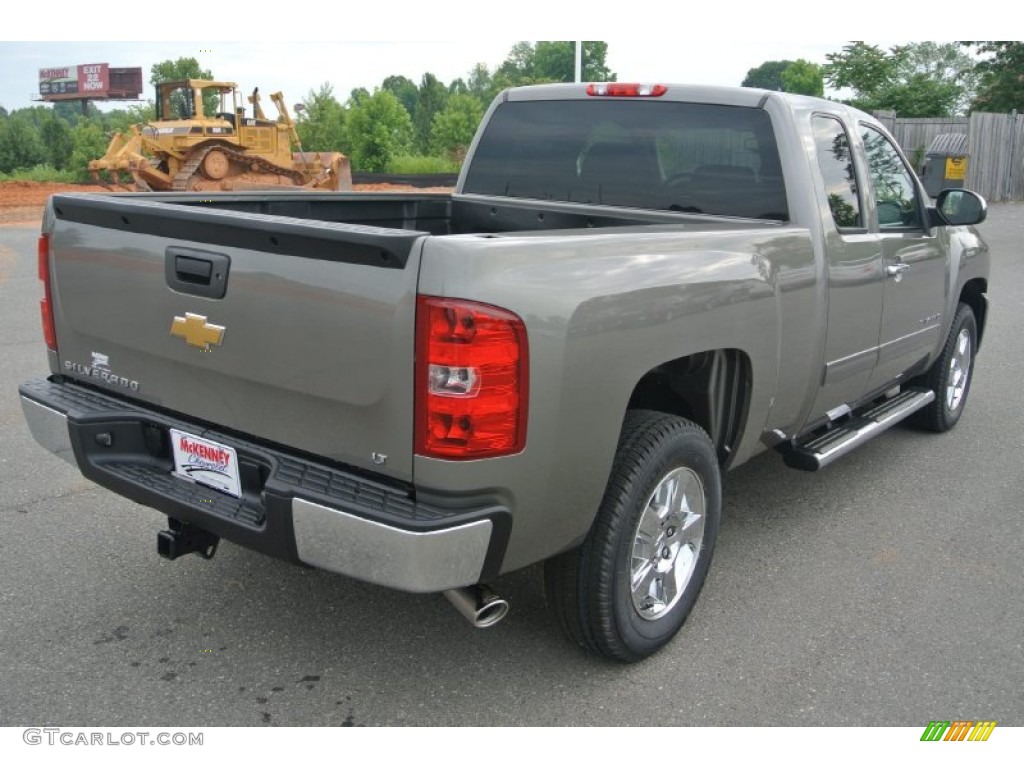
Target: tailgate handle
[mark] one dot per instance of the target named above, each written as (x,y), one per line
(199,273)
(190,270)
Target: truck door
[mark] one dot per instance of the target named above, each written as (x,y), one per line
(854,258)
(914,263)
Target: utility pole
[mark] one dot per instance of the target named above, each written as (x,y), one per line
(579,61)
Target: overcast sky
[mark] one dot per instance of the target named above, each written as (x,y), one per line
(296,68)
(651,40)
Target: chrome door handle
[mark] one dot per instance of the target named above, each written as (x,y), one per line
(896,269)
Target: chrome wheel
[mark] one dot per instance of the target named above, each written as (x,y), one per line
(950,375)
(666,543)
(627,590)
(959,370)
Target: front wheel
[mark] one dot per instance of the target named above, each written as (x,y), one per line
(950,376)
(626,591)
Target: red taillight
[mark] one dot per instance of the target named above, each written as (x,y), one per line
(471,380)
(46,303)
(626,89)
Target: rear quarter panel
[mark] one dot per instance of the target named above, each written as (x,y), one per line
(601,310)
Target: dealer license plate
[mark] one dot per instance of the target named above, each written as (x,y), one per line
(206,462)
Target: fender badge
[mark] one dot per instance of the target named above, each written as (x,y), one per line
(196,331)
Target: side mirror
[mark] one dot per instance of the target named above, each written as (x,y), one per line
(958,207)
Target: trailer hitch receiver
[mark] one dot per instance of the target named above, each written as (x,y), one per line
(183,538)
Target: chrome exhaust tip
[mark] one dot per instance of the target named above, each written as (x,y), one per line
(479,604)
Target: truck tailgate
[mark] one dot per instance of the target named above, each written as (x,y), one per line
(310,345)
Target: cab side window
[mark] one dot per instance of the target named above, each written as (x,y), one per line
(896,195)
(835,162)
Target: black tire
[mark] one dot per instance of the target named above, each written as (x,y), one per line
(950,376)
(591,589)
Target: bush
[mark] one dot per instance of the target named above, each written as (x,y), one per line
(41,173)
(419,164)
(378,129)
(455,126)
(59,144)
(20,145)
(90,144)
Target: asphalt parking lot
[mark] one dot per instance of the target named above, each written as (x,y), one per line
(885,590)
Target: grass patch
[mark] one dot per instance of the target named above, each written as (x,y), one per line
(41,173)
(414,164)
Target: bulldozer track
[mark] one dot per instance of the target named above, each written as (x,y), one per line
(182,176)
(191,167)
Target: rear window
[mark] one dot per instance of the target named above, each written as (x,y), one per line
(695,158)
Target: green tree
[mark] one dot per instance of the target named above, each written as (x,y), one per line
(1001,75)
(121,120)
(916,80)
(20,144)
(36,115)
(945,64)
(71,112)
(321,123)
(185,68)
(768,75)
(517,68)
(480,83)
(429,102)
(484,85)
(456,125)
(356,95)
(803,77)
(921,96)
(554,61)
(57,141)
(865,69)
(378,128)
(551,61)
(179,69)
(3,113)
(404,89)
(90,143)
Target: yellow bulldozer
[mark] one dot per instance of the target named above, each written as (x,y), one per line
(185,149)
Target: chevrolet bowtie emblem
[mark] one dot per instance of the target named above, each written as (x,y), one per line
(196,331)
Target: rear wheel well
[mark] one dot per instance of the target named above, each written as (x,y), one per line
(709,388)
(973,295)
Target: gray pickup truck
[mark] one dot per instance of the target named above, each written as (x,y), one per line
(632,289)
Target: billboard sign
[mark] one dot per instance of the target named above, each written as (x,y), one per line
(82,81)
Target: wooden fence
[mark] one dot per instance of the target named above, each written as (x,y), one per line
(995,144)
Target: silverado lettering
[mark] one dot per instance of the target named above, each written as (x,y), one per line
(102,374)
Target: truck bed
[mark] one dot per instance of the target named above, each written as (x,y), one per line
(318,307)
(434,213)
